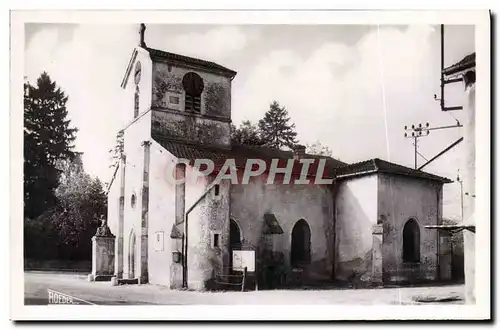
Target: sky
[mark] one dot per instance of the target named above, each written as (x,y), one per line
(351,87)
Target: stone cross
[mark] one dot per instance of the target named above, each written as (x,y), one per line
(142,30)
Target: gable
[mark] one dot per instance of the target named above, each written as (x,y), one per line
(131,62)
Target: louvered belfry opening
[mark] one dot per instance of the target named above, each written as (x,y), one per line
(193,103)
(193,86)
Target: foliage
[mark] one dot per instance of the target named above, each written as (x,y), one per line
(117,151)
(318,149)
(81,203)
(248,134)
(62,203)
(39,237)
(275,128)
(65,231)
(48,138)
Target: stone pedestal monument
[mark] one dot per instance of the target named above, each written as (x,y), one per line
(103,253)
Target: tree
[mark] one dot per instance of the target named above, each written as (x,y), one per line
(117,151)
(81,202)
(64,232)
(275,128)
(248,134)
(48,138)
(318,149)
(116,154)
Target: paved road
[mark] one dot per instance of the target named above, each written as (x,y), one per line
(102,293)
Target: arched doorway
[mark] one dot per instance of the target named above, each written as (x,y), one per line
(234,235)
(411,241)
(234,241)
(131,255)
(301,244)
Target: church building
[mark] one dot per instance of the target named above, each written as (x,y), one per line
(365,226)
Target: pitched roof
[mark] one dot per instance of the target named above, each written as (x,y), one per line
(190,60)
(377,165)
(241,153)
(467,62)
(333,168)
(175,232)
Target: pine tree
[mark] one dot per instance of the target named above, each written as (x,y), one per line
(275,128)
(48,138)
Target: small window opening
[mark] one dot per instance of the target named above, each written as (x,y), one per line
(217,190)
(216,240)
(136,102)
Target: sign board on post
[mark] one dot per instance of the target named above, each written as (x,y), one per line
(242,259)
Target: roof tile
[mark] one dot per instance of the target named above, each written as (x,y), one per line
(191,60)
(242,153)
(333,168)
(467,62)
(381,166)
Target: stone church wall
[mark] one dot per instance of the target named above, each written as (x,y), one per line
(145,86)
(208,233)
(356,214)
(210,126)
(191,128)
(161,217)
(134,137)
(400,199)
(289,204)
(136,131)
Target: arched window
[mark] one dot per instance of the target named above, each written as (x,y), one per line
(136,102)
(133,200)
(301,244)
(193,86)
(411,241)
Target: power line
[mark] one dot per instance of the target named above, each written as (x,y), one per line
(419,131)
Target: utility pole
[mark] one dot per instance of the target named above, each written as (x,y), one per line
(419,131)
(415,142)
